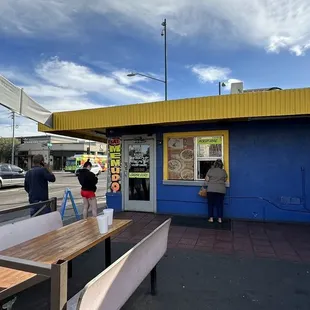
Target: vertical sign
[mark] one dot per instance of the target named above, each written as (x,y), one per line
(114,164)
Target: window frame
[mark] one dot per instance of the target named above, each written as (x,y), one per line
(199,159)
(195,134)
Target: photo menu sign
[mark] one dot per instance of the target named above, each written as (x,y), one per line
(181,158)
(114,164)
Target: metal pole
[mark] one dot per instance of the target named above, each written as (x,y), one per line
(13,139)
(220,88)
(166,69)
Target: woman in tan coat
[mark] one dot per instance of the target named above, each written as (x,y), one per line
(216,180)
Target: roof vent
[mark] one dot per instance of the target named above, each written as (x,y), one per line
(236,88)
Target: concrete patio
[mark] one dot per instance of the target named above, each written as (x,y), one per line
(253,266)
(246,239)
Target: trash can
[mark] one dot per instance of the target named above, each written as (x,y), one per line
(114,201)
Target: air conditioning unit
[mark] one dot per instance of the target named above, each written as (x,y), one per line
(236,88)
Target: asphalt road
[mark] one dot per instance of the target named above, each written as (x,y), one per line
(16,196)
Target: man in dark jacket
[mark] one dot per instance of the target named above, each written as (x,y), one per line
(36,183)
(88,182)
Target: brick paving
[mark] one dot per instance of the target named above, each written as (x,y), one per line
(246,239)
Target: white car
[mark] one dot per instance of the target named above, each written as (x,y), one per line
(95,169)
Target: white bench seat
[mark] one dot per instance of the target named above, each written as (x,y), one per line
(113,287)
(24,230)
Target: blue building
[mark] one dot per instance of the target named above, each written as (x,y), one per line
(160,152)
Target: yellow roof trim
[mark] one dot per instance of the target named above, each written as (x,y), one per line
(247,105)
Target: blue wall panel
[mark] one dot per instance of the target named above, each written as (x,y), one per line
(266,162)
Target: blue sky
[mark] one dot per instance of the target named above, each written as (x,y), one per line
(69,54)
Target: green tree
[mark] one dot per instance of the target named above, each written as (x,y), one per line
(6,149)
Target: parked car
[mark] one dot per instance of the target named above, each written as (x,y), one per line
(11,175)
(95,169)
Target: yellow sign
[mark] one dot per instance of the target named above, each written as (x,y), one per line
(114,147)
(139,175)
(210,140)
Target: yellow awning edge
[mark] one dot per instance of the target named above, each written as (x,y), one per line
(291,102)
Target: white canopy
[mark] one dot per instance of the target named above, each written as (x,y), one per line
(15,99)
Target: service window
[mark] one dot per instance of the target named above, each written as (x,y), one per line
(190,157)
(208,150)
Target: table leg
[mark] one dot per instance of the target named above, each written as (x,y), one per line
(59,285)
(108,259)
(69,269)
(153,281)
(9,304)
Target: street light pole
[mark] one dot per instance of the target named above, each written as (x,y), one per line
(221,84)
(164,33)
(144,75)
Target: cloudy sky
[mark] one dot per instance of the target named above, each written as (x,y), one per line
(75,54)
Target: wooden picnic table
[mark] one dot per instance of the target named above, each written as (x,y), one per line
(65,243)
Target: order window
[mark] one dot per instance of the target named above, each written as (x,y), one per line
(190,158)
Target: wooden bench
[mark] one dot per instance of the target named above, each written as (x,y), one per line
(18,232)
(112,288)
(21,231)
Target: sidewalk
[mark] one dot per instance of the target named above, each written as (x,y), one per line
(246,239)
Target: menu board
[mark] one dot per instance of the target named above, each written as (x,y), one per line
(209,147)
(181,158)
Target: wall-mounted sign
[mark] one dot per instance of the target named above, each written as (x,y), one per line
(114,164)
(210,140)
(209,147)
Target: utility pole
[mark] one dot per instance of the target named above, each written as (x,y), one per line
(13,139)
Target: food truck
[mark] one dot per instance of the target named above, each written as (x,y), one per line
(78,160)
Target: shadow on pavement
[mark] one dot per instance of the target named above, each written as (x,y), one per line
(194,280)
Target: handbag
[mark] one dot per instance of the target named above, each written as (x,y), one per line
(203,192)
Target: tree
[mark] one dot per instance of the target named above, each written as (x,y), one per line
(6,149)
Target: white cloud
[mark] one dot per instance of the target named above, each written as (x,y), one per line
(273,24)
(41,90)
(64,86)
(210,74)
(80,78)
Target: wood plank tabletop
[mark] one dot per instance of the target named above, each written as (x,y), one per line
(64,243)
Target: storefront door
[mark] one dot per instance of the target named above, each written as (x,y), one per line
(139,175)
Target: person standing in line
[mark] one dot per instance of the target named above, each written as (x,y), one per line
(36,183)
(88,182)
(216,180)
